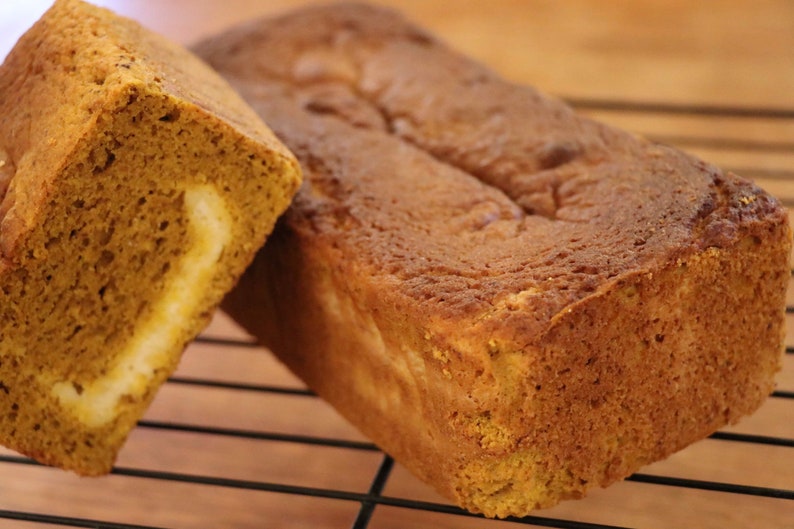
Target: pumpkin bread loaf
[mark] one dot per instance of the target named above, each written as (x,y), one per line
(136,186)
(516,302)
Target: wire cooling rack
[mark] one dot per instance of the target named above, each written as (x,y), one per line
(233,440)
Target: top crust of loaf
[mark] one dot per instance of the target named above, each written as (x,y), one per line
(555,205)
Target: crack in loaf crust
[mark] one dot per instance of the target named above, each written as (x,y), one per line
(514,301)
(136,187)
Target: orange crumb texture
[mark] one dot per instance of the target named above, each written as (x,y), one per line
(136,186)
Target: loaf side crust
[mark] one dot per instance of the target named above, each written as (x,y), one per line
(136,188)
(516,302)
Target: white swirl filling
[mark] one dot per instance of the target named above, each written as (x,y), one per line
(159,333)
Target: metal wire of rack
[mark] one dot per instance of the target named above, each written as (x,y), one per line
(355,485)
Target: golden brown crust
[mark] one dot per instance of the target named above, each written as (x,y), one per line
(134,183)
(514,301)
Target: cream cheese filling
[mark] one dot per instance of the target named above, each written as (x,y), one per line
(159,333)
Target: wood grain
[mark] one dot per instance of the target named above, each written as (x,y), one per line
(714,78)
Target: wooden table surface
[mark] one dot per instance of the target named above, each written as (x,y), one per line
(234,442)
